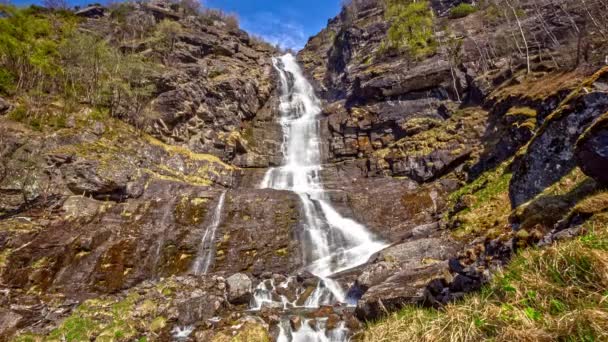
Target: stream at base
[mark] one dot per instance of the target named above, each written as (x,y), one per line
(330,242)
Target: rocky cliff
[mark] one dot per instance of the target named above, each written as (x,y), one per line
(457,158)
(479,133)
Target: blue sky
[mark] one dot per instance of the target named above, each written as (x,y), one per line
(288,23)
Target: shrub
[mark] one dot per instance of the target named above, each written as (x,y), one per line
(462,10)
(411,27)
(209,15)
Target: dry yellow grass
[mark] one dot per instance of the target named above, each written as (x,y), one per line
(559,293)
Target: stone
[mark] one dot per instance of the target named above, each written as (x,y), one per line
(592,151)
(4,106)
(93,11)
(407,287)
(295,322)
(9,323)
(239,289)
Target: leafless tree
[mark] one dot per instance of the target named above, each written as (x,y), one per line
(521,31)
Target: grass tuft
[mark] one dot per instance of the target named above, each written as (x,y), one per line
(555,294)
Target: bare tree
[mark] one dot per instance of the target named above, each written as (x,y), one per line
(521,31)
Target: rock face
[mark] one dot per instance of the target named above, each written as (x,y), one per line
(217,78)
(101,210)
(550,154)
(592,151)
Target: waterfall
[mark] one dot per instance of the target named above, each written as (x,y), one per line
(330,242)
(207,250)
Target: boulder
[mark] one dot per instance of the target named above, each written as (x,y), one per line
(4,106)
(239,289)
(408,287)
(198,308)
(94,11)
(592,151)
(551,153)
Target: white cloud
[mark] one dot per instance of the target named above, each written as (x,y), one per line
(278,31)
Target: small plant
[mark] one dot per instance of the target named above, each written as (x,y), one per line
(462,10)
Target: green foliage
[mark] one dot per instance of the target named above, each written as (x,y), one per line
(28,48)
(462,10)
(44,59)
(411,27)
(7,81)
(166,35)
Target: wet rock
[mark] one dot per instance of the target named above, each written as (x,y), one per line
(295,322)
(270,315)
(333,321)
(239,289)
(592,151)
(245,243)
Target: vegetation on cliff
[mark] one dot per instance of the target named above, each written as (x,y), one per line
(411,28)
(553,294)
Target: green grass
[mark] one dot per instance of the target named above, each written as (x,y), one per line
(552,294)
(487,204)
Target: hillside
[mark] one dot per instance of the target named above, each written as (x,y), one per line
(431,170)
(445,96)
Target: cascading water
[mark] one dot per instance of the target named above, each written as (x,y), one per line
(331,243)
(206,250)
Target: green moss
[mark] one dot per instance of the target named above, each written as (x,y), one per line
(462,10)
(40,263)
(4,255)
(187,153)
(191,211)
(487,204)
(158,324)
(248,135)
(283,252)
(102,320)
(522,111)
(555,202)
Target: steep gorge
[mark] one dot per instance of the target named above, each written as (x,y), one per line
(248,209)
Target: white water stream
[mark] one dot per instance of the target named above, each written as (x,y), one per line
(331,243)
(207,249)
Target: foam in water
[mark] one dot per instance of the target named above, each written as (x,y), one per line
(331,243)
(206,250)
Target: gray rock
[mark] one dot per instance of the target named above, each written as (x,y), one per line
(550,155)
(592,151)
(4,106)
(239,289)
(9,323)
